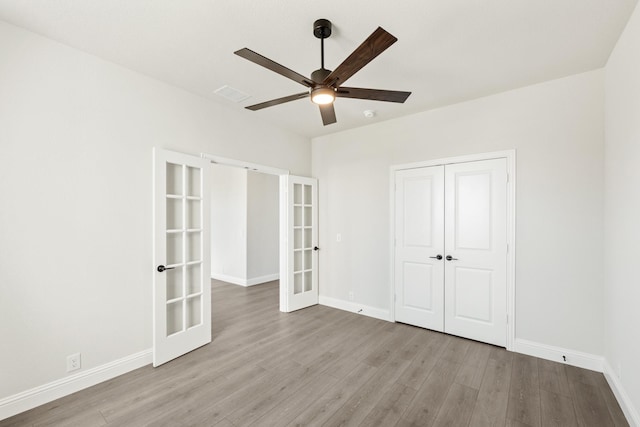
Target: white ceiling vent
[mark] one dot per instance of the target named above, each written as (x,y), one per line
(232,94)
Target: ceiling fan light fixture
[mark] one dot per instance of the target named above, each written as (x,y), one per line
(323,95)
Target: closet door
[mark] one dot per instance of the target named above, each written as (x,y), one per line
(419,242)
(475,250)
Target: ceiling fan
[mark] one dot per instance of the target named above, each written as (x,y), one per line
(325,86)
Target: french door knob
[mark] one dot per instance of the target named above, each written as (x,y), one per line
(162,268)
(438,257)
(450,258)
(315,248)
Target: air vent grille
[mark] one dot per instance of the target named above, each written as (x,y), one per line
(232,94)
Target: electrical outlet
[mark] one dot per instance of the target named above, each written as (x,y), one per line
(351,296)
(73,362)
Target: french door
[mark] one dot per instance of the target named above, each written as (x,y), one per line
(299,250)
(181,280)
(181,250)
(450,249)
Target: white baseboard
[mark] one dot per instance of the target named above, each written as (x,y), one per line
(630,412)
(263,279)
(13,405)
(544,351)
(229,279)
(549,352)
(245,282)
(355,308)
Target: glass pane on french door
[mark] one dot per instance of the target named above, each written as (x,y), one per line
(184,237)
(302,238)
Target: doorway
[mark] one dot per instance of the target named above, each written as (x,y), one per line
(244,226)
(182,255)
(452,259)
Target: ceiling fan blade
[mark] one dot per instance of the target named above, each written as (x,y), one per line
(328,114)
(373,94)
(373,46)
(273,66)
(277,101)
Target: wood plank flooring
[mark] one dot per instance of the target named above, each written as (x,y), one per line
(322,366)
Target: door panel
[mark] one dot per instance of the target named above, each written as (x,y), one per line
(473,294)
(473,210)
(419,208)
(299,257)
(181,291)
(476,240)
(418,286)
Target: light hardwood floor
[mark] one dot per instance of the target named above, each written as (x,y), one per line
(322,366)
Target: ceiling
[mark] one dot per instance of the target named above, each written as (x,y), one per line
(448,51)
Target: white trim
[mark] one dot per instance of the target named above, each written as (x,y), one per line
(630,412)
(510,155)
(244,165)
(229,279)
(458,159)
(12,405)
(245,282)
(283,194)
(263,279)
(392,241)
(511,246)
(553,353)
(353,307)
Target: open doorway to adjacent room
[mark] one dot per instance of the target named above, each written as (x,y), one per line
(244,226)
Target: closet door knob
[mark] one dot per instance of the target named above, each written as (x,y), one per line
(162,268)
(438,257)
(450,258)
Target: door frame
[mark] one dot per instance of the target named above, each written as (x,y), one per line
(283,220)
(510,156)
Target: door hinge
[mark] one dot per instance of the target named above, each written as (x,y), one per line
(507,248)
(507,177)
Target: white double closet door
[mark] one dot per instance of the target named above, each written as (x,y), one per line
(451,249)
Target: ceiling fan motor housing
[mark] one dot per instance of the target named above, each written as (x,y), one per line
(319,75)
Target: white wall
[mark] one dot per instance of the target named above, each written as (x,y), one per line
(622,212)
(76,138)
(229,223)
(263,227)
(244,226)
(557,129)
